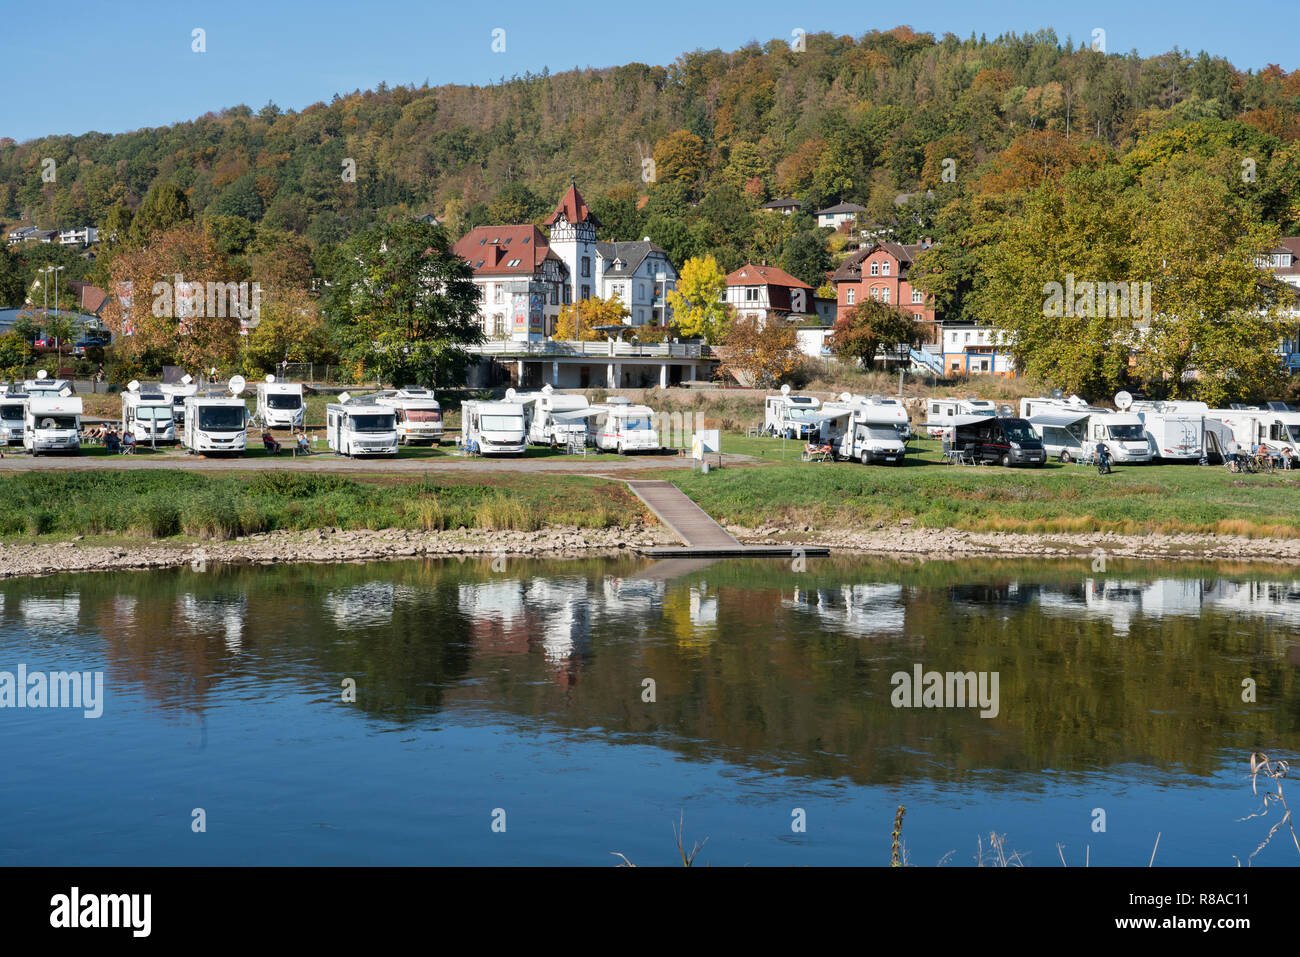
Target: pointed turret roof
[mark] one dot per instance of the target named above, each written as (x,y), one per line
(574,208)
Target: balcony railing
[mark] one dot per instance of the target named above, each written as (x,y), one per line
(668,350)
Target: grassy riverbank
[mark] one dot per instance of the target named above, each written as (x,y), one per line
(1057,498)
(163,504)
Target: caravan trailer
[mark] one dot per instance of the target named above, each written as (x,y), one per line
(147,415)
(1176,429)
(13,411)
(791,416)
(216,423)
(360,427)
(943,413)
(1070,427)
(616,425)
(280,405)
(549,417)
(52,423)
(494,428)
(418,414)
(869,429)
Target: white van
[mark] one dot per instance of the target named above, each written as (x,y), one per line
(13,413)
(419,414)
(52,423)
(867,429)
(1071,428)
(280,405)
(147,415)
(217,423)
(791,416)
(360,427)
(493,428)
(544,415)
(618,426)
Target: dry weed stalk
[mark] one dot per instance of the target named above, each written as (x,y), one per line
(1275,771)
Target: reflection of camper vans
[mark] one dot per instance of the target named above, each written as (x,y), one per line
(864,428)
(1002,439)
(280,405)
(619,426)
(943,412)
(360,427)
(147,415)
(1176,430)
(791,416)
(547,419)
(493,428)
(1070,427)
(52,423)
(418,414)
(12,414)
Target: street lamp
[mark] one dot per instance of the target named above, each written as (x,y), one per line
(903,350)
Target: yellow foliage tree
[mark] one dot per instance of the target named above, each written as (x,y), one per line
(579,320)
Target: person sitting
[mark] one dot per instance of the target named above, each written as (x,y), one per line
(304,447)
(270,444)
(128,443)
(111,441)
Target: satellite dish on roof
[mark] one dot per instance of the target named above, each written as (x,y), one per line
(270,378)
(510,395)
(187,378)
(1058,394)
(1006,411)
(1123,400)
(846,396)
(785,389)
(133,386)
(547,389)
(42,374)
(237,384)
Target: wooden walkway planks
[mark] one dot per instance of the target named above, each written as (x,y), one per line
(687,520)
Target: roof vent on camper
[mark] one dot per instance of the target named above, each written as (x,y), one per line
(345,397)
(510,395)
(187,379)
(1058,394)
(547,389)
(236,385)
(65,392)
(270,378)
(1278,407)
(846,396)
(1237,406)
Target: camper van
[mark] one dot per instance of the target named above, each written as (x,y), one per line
(493,428)
(360,427)
(942,414)
(44,385)
(791,416)
(867,428)
(1275,428)
(147,415)
(418,413)
(12,415)
(178,392)
(280,405)
(52,423)
(1176,429)
(1002,439)
(216,423)
(1070,428)
(551,418)
(616,425)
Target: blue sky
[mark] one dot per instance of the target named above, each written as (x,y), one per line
(114,67)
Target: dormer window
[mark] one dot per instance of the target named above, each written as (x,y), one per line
(526,238)
(513,263)
(508,238)
(482,241)
(479,264)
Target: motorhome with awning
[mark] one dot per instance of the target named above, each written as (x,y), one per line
(864,428)
(942,414)
(790,416)
(1070,428)
(547,420)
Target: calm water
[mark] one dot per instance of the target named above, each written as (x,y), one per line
(522,690)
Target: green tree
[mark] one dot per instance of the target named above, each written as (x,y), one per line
(164,206)
(861,331)
(699,301)
(404,306)
(15,353)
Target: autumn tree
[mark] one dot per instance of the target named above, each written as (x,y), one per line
(680,157)
(761,354)
(577,321)
(164,206)
(699,302)
(289,329)
(862,330)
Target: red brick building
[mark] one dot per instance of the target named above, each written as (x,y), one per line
(879,271)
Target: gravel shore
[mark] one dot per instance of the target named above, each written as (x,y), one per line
(26,558)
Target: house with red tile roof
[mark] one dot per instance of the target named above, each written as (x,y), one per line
(766,291)
(522,280)
(880,271)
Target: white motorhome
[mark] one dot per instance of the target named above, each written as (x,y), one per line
(493,428)
(44,385)
(52,423)
(547,415)
(1176,430)
(943,413)
(178,392)
(418,413)
(867,428)
(1070,428)
(216,423)
(791,416)
(360,427)
(147,415)
(280,405)
(616,425)
(13,411)
(1275,428)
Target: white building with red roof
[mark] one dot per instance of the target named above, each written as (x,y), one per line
(523,281)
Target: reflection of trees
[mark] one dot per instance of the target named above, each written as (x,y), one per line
(752,661)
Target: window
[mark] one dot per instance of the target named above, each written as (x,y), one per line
(875,293)
(751,294)
(968,337)
(512,264)
(917,296)
(875,269)
(884,295)
(849,297)
(555,294)
(498,325)
(586,292)
(526,238)
(586,265)
(884,268)
(500,296)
